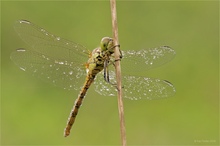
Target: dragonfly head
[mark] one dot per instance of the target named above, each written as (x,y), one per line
(107,44)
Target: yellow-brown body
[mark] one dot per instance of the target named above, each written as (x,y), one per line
(94,65)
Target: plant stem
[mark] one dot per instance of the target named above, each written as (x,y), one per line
(118,71)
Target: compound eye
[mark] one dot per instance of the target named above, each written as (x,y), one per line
(105,46)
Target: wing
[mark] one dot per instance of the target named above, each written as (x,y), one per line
(136,87)
(146,88)
(59,72)
(41,41)
(49,57)
(145,59)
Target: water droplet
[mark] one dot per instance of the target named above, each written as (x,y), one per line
(22,68)
(59,62)
(21,50)
(24,21)
(66,63)
(58,38)
(42,30)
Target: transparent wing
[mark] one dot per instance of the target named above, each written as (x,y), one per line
(48,44)
(49,57)
(146,88)
(104,88)
(145,59)
(59,72)
(136,87)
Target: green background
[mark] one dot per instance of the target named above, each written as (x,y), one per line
(35,113)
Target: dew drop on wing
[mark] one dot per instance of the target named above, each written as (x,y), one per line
(71,72)
(21,50)
(24,21)
(22,68)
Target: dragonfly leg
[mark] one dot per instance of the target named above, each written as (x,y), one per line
(109,62)
(106,73)
(121,56)
(119,52)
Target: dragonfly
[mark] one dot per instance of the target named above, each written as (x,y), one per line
(71,66)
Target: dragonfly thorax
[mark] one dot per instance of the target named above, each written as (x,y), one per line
(99,56)
(95,62)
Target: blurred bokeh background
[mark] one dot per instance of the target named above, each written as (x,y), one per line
(35,113)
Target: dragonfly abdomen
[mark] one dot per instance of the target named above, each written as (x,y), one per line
(78,103)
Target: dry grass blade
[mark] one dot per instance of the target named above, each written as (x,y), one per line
(118,71)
